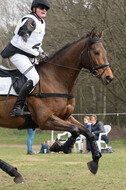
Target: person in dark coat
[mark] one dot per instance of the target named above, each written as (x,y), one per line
(97,127)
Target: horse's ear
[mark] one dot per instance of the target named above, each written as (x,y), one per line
(101,34)
(93,33)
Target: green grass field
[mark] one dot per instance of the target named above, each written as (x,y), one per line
(60,171)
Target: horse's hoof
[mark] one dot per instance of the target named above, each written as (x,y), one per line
(93,166)
(19,180)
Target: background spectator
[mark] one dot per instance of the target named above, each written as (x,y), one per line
(98,127)
(31,133)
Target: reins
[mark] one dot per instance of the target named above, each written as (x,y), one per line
(66,67)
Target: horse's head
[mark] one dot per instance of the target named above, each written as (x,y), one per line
(96,60)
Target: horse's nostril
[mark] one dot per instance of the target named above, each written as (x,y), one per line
(109,79)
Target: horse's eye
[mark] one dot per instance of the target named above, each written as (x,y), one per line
(96,52)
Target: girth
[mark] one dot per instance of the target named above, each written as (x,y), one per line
(49,95)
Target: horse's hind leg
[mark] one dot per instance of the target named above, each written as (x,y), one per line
(12,171)
(55,123)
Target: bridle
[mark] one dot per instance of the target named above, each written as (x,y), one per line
(94,68)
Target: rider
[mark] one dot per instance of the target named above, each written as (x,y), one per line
(25,46)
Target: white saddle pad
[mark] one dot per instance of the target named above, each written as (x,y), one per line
(5,83)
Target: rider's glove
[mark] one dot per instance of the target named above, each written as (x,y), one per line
(42,56)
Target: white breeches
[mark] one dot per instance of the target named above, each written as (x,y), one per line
(22,63)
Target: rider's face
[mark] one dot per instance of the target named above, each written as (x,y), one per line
(41,12)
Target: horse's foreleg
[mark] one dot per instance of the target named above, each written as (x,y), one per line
(82,130)
(93,165)
(12,171)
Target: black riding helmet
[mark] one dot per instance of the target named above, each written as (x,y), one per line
(37,3)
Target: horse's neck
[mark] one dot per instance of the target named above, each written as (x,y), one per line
(71,59)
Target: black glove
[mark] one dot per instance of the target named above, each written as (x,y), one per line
(42,57)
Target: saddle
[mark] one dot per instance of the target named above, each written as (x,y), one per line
(18,79)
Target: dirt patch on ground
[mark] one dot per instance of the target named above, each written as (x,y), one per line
(117,133)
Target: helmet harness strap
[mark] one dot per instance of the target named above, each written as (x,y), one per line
(36,13)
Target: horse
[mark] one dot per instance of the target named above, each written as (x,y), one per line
(52,103)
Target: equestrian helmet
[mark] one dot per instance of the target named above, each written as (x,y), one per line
(37,3)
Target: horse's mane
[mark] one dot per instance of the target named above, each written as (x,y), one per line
(64,48)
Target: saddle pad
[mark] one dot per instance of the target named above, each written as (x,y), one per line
(5,83)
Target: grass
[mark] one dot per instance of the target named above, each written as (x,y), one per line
(61,171)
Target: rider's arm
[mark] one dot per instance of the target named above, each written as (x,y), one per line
(40,50)
(42,53)
(28,26)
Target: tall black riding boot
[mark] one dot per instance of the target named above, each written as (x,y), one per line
(18,107)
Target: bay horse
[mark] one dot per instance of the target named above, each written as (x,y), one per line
(52,103)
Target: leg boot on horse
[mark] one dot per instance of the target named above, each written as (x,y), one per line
(93,165)
(18,109)
(68,145)
(12,171)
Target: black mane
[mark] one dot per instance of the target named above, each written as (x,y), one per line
(64,48)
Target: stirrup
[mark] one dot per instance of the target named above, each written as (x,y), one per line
(19,112)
